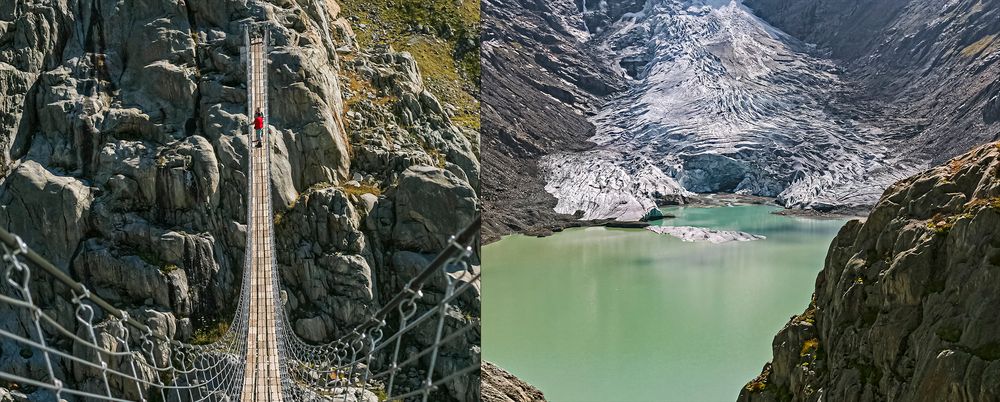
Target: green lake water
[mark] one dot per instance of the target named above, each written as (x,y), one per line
(601,314)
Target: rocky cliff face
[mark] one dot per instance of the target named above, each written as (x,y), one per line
(905,307)
(122,159)
(540,82)
(931,66)
(501,386)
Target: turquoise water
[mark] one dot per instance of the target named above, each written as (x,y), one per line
(601,314)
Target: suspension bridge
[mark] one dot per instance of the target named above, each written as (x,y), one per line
(258,358)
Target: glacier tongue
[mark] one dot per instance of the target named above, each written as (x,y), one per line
(605,183)
(721,102)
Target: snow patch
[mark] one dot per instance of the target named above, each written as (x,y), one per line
(696,234)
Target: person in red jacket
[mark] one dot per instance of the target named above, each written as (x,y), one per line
(258,125)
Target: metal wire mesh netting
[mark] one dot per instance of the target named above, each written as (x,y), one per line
(63,342)
(378,359)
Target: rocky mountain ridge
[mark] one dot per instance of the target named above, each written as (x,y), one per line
(905,306)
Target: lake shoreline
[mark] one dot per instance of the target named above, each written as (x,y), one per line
(697,201)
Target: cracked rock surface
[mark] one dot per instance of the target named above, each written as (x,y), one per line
(905,306)
(123,161)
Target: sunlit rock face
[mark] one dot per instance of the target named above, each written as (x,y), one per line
(904,308)
(720,101)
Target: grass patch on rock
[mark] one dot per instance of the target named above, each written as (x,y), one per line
(442,36)
(978,46)
(210,333)
(759,383)
(358,190)
(809,346)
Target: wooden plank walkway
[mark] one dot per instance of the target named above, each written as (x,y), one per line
(262,381)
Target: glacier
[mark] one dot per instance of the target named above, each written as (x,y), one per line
(720,101)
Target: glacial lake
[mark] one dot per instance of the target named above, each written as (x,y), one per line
(599,314)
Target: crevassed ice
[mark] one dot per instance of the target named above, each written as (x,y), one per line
(721,102)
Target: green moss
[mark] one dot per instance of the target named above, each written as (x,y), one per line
(988,352)
(949,334)
(210,333)
(759,383)
(380,394)
(980,203)
(940,227)
(438,157)
(942,224)
(362,189)
(808,347)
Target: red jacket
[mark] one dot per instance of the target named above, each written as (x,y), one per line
(258,123)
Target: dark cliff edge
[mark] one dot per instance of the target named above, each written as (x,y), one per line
(906,305)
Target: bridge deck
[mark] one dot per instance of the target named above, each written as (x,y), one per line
(262,381)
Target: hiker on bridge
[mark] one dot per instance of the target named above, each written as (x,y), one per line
(258,126)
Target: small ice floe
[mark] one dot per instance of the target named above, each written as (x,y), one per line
(691,233)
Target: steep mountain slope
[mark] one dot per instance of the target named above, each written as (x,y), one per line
(720,101)
(851,97)
(906,305)
(123,160)
(931,65)
(540,81)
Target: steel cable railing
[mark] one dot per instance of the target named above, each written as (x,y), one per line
(335,365)
(139,366)
(154,364)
